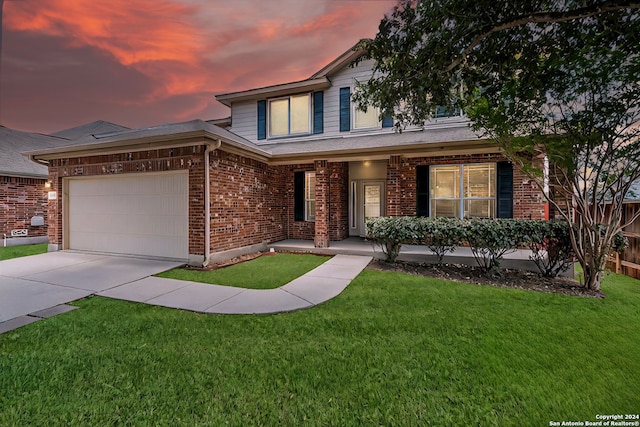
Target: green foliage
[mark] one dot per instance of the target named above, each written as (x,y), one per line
(441,235)
(390,232)
(559,78)
(620,242)
(489,239)
(550,244)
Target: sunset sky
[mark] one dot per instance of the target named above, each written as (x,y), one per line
(147,62)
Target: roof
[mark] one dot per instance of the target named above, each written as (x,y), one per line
(318,81)
(14,142)
(164,136)
(93,128)
(432,140)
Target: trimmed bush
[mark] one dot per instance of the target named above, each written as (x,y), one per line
(390,232)
(441,235)
(491,239)
(550,245)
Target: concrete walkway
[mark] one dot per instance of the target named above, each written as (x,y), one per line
(39,286)
(317,286)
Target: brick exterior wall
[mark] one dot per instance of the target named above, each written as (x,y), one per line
(528,201)
(20,200)
(249,204)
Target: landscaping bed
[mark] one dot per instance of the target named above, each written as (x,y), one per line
(508,278)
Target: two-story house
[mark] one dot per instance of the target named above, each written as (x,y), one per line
(294,161)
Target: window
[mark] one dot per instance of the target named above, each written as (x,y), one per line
(309,196)
(368,120)
(290,116)
(442,111)
(463,191)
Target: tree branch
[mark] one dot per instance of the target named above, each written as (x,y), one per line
(547,17)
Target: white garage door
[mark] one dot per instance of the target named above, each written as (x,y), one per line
(137,214)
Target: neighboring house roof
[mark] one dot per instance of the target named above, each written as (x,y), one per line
(633,195)
(94,128)
(14,142)
(163,136)
(318,81)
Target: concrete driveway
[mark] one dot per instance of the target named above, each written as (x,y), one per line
(38,282)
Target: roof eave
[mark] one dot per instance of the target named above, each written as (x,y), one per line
(155,142)
(379,153)
(343,60)
(313,84)
(23,175)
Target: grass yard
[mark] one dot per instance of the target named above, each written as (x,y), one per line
(20,251)
(265,272)
(393,349)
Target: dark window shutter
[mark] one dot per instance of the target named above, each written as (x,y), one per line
(387,121)
(318,112)
(422,190)
(298,196)
(345,109)
(262,119)
(505,189)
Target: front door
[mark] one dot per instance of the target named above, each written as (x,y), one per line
(368,203)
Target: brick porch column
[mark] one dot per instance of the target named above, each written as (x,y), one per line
(394,207)
(54,210)
(321,237)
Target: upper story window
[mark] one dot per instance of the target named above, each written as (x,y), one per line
(444,111)
(366,120)
(290,115)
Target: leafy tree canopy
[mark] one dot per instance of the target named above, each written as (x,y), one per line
(545,76)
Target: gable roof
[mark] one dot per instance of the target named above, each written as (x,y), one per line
(93,128)
(318,81)
(14,142)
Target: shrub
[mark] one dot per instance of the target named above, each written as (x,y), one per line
(491,239)
(550,245)
(441,235)
(391,232)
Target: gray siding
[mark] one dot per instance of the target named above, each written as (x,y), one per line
(244,114)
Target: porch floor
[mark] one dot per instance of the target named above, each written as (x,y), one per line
(412,253)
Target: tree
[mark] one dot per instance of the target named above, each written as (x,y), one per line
(543,78)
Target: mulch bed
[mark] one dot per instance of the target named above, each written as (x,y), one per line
(515,279)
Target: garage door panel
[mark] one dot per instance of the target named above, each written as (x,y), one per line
(130,214)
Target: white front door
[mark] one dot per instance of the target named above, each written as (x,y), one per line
(367,202)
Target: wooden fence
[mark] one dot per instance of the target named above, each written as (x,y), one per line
(628,262)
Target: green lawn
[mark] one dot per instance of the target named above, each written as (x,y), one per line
(393,349)
(265,272)
(20,251)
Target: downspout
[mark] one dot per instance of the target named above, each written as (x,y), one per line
(211,146)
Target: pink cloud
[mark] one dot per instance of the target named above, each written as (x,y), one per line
(184,50)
